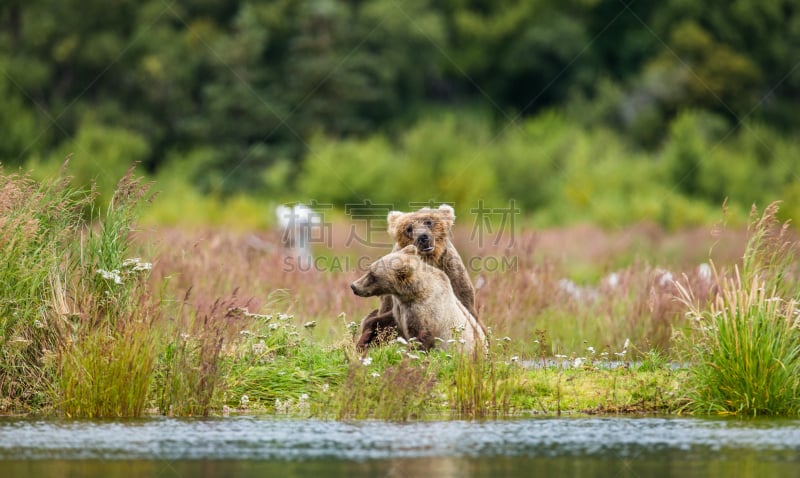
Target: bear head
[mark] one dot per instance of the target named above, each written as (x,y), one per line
(428,229)
(391,274)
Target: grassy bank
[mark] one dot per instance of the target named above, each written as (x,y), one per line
(100,319)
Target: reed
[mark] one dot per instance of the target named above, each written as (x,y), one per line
(109,342)
(38,224)
(746,350)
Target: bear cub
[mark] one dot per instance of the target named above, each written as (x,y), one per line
(424,304)
(429,230)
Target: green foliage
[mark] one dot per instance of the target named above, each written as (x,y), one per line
(747,354)
(279,367)
(39,224)
(433,160)
(18,124)
(481,386)
(180,203)
(107,357)
(75,330)
(254,85)
(556,172)
(398,392)
(98,156)
(108,373)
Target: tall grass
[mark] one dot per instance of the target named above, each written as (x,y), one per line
(38,224)
(76,332)
(107,375)
(87,330)
(190,369)
(402,391)
(746,354)
(109,348)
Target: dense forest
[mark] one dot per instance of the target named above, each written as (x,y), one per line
(610,110)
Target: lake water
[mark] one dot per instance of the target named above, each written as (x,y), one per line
(266,447)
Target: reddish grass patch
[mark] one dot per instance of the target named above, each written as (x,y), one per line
(579,284)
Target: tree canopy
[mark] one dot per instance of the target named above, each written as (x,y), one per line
(237,90)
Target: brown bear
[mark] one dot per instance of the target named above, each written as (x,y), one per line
(423,301)
(429,230)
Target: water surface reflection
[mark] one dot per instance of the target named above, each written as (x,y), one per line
(253,446)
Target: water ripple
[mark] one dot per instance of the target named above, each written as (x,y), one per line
(255,438)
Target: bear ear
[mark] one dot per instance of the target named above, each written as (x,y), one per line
(392,220)
(409,249)
(404,272)
(449,212)
(447,216)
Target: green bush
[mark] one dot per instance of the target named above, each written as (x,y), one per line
(98,156)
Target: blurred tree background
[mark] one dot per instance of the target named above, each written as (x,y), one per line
(610,111)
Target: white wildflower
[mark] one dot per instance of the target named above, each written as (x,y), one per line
(244,401)
(402,340)
(591,350)
(366,361)
(135,264)
(311,324)
(112,276)
(578,363)
(374,375)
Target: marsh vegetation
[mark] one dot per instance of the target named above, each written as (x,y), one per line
(103,319)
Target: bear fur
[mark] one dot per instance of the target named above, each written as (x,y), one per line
(423,301)
(429,230)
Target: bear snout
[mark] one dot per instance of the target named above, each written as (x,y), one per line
(359,291)
(424,242)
